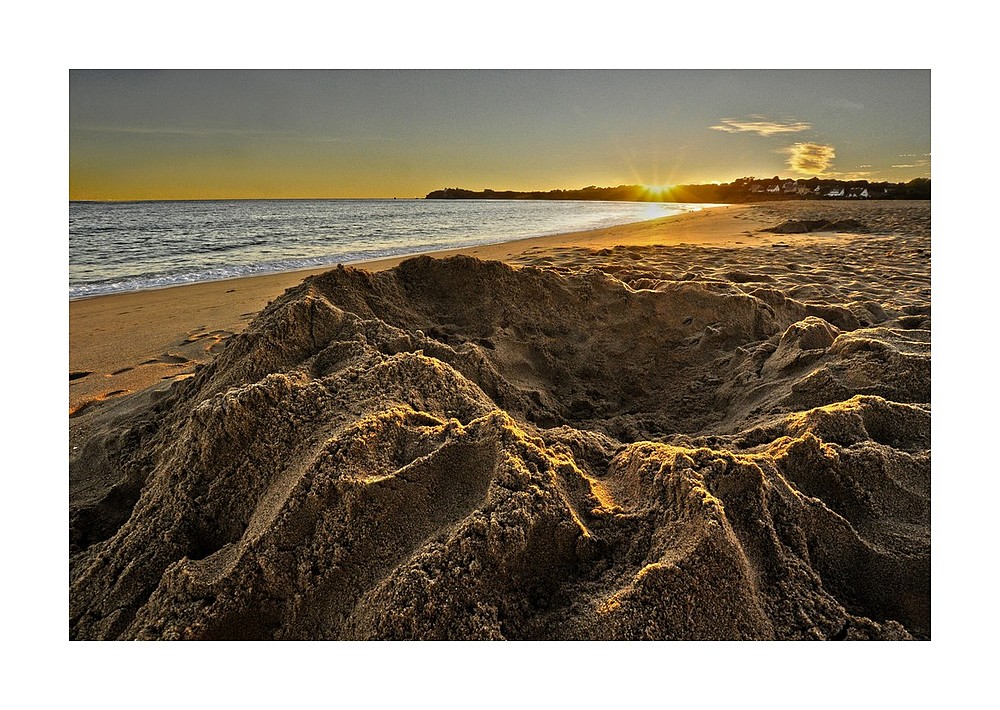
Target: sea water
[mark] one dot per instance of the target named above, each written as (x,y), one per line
(117,247)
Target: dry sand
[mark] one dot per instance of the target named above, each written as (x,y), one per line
(693,428)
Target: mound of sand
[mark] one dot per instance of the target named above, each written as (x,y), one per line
(683,445)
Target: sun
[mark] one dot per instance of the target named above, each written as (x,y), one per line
(657,192)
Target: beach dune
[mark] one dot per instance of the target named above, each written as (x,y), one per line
(714,426)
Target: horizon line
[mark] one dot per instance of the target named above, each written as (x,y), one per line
(488,189)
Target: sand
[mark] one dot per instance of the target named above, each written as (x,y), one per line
(123,343)
(712,426)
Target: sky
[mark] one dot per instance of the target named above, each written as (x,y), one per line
(229,134)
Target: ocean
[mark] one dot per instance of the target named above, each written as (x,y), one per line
(117,247)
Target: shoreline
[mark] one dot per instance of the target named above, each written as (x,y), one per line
(117,346)
(123,343)
(393,260)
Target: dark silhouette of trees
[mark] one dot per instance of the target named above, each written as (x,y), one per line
(744,189)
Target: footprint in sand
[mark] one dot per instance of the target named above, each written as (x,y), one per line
(78,374)
(167,359)
(217,334)
(218,338)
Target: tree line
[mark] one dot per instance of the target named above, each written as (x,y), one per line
(746,189)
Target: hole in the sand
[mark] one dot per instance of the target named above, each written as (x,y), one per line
(914,322)
(78,374)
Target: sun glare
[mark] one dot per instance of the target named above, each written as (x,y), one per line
(658,192)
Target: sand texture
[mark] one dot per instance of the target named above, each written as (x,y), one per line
(125,343)
(640,441)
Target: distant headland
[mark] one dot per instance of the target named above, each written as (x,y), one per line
(748,189)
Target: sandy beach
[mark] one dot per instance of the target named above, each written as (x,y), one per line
(118,346)
(709,426)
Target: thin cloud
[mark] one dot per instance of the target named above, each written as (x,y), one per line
(164,131)
(810,158)
(215,132)
(761,126)
(922,163)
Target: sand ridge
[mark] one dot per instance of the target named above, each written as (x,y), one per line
(635,441)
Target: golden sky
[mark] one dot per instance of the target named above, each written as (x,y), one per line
(207,134)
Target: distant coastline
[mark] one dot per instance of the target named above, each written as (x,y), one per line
(748,189)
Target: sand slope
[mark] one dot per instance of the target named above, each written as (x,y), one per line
(641,442)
